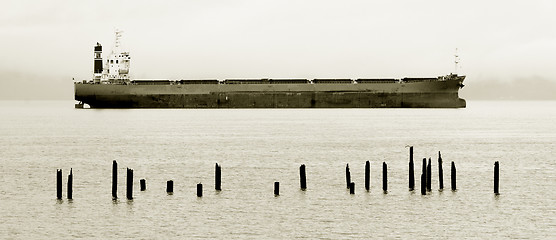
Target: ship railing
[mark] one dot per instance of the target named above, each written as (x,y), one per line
(151,82)
(245,81)
(198,81)
(289,81)
(377,80)
(420,79)
(332,81)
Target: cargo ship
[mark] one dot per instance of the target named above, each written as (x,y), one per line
(111,87)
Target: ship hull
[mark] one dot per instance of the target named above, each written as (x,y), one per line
(427,94)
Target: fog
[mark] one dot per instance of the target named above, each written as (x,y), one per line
(507,49)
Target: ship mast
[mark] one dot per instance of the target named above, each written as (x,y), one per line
(117,41)
(456,61)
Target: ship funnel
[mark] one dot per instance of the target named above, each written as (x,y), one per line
(98,63)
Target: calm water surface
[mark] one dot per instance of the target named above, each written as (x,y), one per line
(259,146)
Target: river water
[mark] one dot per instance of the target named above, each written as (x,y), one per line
(257,147)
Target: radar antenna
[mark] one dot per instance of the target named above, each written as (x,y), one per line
(456,61)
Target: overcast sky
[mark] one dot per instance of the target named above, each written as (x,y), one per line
(45,44)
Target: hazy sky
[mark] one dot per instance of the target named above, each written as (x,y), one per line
(45,44)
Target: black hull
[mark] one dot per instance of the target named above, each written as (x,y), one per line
(278,100)
(414,94)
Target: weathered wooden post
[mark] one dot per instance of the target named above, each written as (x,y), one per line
(199,190)
(367,175)
(424,177)
(129,187)
(170,186)
(496,177)
(217,178)
(384,177)
(70,184)
(276,188)
(429,176)
(143,184)
(411,170)
(114,179)
(423,184)
(348,176)
(302,177)
(453,175)
(424,170)
(440,172)
(59,183)
(352,188)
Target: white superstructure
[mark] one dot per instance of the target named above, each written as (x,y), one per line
(115,69)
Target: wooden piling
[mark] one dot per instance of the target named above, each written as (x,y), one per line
(217,178)
(114,179)
(440,172)
(59,183)
(424,169)
(429,176)
(384,177)
(302,177)
(367,175)
(423,184)
(129,185)
(143,184)
(169,186)
(424,172)
(70,184)
(199,190)
(348,176)
(411,170)
(453,176)
(496,177)
(276,188)
(352,188)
